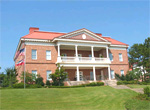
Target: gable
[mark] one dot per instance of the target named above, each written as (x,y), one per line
(83,34)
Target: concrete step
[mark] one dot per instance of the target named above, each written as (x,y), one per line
(110,82)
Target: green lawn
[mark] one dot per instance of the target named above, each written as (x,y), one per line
(137,86)
(84,98)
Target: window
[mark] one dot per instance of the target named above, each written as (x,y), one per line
(122,72)
(91,75)
(112,74)
(34,54)
(64,55)
(48,73)
(110,56)
(34,74)
(120,57)
(48,55)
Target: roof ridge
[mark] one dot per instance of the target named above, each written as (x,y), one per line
(51,32)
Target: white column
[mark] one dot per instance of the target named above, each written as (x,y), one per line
(76,51)
(78,77)
(59,57)
(94,73)
(92,50)
(109,76)
(107,52)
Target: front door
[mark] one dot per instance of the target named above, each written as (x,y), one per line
(112,74)
(80,75)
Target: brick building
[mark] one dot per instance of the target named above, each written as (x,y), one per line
(83,54)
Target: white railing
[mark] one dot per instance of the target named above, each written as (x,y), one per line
(84,59)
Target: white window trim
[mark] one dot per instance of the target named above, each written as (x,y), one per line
(36,54)
(35,73)
(113,74)
(50,55)
(121,57)
(49,74)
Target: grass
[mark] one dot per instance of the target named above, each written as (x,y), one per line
(87,98)
(137,86)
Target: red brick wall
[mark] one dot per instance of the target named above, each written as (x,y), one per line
(117,65)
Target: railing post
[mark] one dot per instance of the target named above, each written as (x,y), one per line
(92,50)
(59,57)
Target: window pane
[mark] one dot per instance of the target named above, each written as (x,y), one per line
(112,74)
(122,72)
(34,56)
(48,55)
(111,56)
(48,73)
(120,57)
(34,74)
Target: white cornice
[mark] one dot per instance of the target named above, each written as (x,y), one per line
(84,41)
(126,46)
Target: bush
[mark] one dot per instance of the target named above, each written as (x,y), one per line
(35,86)
(147,91)
(127,82)
(48,83)
(39,81)
(19,85)
(144,83)
(95,84)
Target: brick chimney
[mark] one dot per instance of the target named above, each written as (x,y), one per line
(32,29)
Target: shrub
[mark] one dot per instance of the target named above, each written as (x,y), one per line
(39,81)
(95,84)
(127,82)
(147,91)
(19,85)
(59,76)
(35,86)
(48,83)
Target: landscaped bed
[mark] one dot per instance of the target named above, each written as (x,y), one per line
(84,98)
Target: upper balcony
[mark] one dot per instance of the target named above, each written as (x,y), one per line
(69,59)
(82,54)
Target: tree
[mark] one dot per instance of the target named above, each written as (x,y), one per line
(11,76)
(59,76)
(29,77)
(140,54)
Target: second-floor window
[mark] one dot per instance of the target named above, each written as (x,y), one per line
(48,55)
(120,57)
(34,54)
(111,56)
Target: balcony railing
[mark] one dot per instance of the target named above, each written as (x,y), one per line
(84,59)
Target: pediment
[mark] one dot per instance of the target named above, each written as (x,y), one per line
(83,34)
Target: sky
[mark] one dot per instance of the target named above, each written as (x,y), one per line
(126,21)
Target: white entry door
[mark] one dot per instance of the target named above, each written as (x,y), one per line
(112,74)
(80,75)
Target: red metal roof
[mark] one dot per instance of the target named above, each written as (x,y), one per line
(51,35)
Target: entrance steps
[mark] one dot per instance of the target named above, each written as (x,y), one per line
(110,82)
